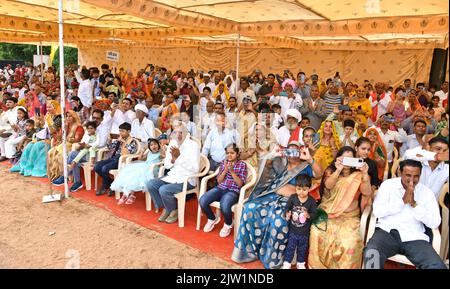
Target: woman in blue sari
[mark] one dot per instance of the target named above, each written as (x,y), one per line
(263,229)
(33,161)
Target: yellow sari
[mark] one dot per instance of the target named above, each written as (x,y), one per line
(339,246)
(55,167)
(216,94)
(324,156)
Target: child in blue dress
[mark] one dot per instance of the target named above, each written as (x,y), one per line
(134,176)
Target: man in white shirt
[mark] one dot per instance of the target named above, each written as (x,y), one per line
(85,91)
(291,131)
(208,119)
(435,171)
(416,139)
(403,208)
(390,137)
(206,82)
(7,119)
(244,92)
(217,140)
(121,114)
(103,127)
(183,160)
(95,81)
(380,101)
(232,112)
(142,128)
(443,93)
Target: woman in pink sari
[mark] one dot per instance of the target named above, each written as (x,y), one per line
(336,243)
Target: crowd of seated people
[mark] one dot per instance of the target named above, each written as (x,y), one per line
(300,134)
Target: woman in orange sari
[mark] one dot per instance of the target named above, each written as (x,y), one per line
(74,134)
(378,151)
(412,104)
(170,108)
(336,242)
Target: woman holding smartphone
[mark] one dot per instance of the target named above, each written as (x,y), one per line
(362,148)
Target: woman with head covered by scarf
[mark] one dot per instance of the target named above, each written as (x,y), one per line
(329,144)
(221,93)
(74,134)
(33,161)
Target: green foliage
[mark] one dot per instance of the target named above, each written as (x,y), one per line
(25,52)
(70,56)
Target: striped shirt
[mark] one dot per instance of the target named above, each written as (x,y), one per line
(331,101)
(240,168)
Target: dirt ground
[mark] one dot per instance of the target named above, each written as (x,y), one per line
(76,234)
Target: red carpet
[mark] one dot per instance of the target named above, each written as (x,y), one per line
(206,242)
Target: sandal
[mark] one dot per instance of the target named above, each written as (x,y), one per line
(122,199)
(130,200)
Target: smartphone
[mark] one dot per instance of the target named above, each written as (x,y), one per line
(302,78)
(291,153)
(343,107)
(314,77)
(353,162)
(315,138)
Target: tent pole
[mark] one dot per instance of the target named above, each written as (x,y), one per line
(63,95)
(42,62)
(237,82)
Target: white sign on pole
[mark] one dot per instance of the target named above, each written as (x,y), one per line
(112,55)
(37,60)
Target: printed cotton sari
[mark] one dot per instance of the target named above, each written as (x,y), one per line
(337,244)
(263,230)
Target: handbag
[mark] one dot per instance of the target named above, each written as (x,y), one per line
(321,218)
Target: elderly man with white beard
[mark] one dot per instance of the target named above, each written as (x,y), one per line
(291,131)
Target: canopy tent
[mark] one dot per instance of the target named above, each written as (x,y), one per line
(368,39)
(363,39)
(360,38)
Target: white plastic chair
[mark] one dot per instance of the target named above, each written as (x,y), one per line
(365,217)
(444,224)
(87,168)
(396,162)
(401,258)
(236,208)
(124,161)
(148,197)
(181,196)
(129,160)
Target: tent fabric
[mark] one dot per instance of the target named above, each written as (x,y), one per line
(273,23)
(365,36)
(392,66)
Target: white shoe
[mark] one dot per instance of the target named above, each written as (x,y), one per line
(286,265)
(226,230)
(301,265)
(210,225)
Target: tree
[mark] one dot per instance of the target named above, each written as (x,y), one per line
(25,52)
(70,56)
